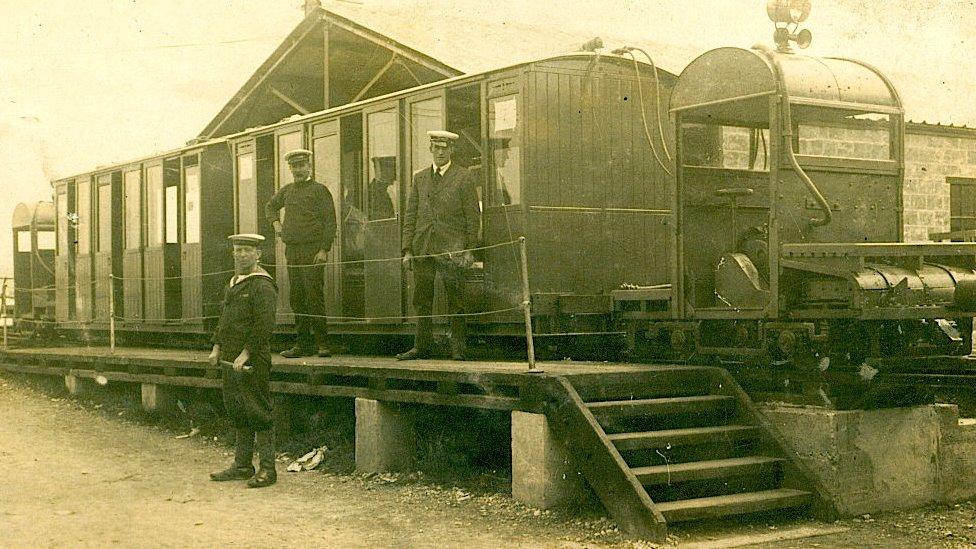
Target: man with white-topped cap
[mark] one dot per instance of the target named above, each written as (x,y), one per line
(241,346)
(440,226)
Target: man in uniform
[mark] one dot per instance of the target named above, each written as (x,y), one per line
(241,345)
(308,231)
(440,226)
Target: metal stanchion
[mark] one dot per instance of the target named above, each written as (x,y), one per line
(527,308)
(111,312)
(3,311)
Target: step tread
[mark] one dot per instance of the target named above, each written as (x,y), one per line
(699,470)
(676,437)
(731,504)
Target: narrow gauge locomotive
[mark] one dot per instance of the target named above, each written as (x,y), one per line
(773,235)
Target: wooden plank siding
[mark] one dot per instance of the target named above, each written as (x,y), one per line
(598,200)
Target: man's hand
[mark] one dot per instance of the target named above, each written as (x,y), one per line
(322,256)
(214,357)
(408,260)
(241,360)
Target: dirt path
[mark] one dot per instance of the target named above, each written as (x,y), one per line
(75,474)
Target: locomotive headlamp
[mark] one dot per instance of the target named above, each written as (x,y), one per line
(788,11)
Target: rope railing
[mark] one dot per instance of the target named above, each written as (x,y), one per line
(524,305)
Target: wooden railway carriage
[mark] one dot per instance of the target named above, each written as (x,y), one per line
(531,133)
(560,153)
(789,215)
(151,232)
(33,246)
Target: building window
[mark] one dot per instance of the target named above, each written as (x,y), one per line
(962,203)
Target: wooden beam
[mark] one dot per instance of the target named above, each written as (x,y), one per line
(413,75)
(379,74)
(395,47)
(294,104)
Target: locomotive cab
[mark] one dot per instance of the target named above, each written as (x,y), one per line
(789,208)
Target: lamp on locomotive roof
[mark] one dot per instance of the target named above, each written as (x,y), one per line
(785,13)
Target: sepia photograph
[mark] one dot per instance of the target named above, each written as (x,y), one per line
(451,273)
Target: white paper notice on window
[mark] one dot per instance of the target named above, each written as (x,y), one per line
(506,115)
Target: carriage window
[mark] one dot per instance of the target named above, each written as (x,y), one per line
(842,134)
(503,132)
(729,147)
(191,214)
(45,240)
(63,223)
(23,241)
(172,203)
(154,187)
(104,213)
(247,195)
(133,209)
(84,216)
(326,159)
(383,195)
(287,142)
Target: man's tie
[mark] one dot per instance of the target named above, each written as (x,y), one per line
(437,175)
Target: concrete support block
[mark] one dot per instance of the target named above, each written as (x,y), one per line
(78,386)
(158,399)
(543,475)
(869,460)
(385,437)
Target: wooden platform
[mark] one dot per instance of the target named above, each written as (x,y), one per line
(476,384)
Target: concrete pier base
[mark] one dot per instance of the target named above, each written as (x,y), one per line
(78,386)
(157,399)
(880,460)
(543,475)
(385,437)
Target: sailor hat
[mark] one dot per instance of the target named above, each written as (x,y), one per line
(246,239)
(297,154)
(441,138)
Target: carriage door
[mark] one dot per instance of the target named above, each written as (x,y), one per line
(190,259)
(172,264)
(287,140)
(154,286)
(132,274)
(106,248)
(425,115)
(64,269)
(382,269)
(326,153)
(83,263)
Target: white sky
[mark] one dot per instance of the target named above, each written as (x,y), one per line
(86,83)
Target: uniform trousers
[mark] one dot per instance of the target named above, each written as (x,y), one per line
(306,294)
(425,272)
(244,450)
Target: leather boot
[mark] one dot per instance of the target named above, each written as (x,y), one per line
(243,468)
(266,475)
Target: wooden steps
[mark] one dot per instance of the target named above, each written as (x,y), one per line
(686,444)
(719,506)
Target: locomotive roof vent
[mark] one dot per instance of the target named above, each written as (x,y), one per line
(786,14)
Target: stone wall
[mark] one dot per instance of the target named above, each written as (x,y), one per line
(932,154)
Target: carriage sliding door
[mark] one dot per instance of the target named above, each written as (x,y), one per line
(325,146)
(382,269)
(190,251)
(155,308)
(132,272)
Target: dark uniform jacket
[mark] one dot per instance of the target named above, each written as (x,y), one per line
(247,321)
(309,214)
(441,217)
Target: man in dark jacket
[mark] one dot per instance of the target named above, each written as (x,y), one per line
(440,226)
(308,231)
(241,344)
